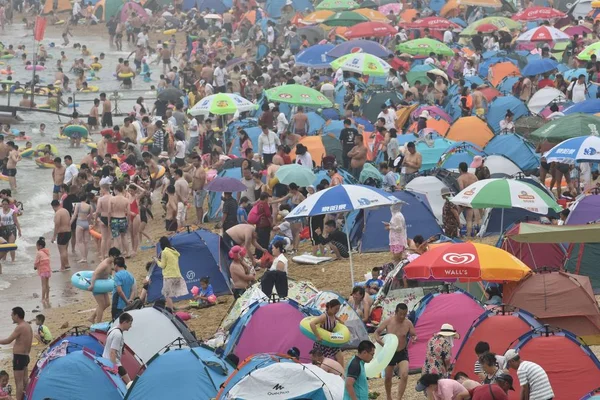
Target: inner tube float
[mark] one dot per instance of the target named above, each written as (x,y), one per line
(6,72)
(59,22)
(159,174)
(125,75)
(73,129)
(596,4)
(3,177)
(22,138)
(170,32)
(41,164)
(95,234)
(147,140)
(90,89)
(73,105)
(96,66)
(27,152)
(83,279)
(383,356)
(40,147)
(92,145)
(43,106)
(63,137)
(7,247)
(7,56)
(339,337)
(37,67)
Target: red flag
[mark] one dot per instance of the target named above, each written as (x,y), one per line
(40,28)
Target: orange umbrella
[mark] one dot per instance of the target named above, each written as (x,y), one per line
(317,17)
(482,3)
(499,71)
(408,15)
(450,9)
(250,16)
(470,129)
(372,15)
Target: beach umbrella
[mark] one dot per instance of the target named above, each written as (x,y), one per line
(431,23)
(467,262)
(292,173)
(345,18)
(343,199)
(298,95)
(482,3)
(505,193)
(570,126)
(312,33)
(419,73)
(395,8)
(362,63)
(370,29)
(537,13)
(576,30)
(498,22)
(170,95)
(315,56)
(424,46)
(226,184)
(369,4)
(337,5)
(486,28)
(589,106)
(359,46)
(586,54)
(222,104)
(541,66)
(317,17)
(579,149)
(543,34)
(372,15)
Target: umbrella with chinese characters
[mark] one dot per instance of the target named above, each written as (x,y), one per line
(362,63)
(222,104)
(298,95)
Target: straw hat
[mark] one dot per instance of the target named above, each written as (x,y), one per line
(448,330)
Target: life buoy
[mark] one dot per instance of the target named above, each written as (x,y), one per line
(383,356)
(83,279)
(339,337)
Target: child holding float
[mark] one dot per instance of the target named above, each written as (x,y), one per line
(205,295)
(42,265)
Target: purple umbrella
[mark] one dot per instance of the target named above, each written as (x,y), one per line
(433,111)
(357,46)
(225,184)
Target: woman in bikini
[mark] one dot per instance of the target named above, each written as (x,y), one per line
(82,216)
(327,321)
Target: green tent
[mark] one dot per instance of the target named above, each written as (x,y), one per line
(106,9)
(583,259)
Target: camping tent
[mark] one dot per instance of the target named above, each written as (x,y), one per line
(586,208)
(457,153)
(255,331)
(512,324)
(347,314)
(500,105)
(435,309)
(500,166)
(182,373)
(61,6)
(263,376)
(153,330)
(583,259)
(214,6)
(560,299)
(535,255)
(201,254)
(580,8)
(431,186)
(131,7)
(273,7)
(470,129)
(370,232)
(571,366)
(65,376)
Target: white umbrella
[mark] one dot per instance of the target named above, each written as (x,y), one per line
(212,16)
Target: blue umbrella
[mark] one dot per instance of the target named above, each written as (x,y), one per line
(355,46)
(581,149)
(536,67)
(459,21)
(315,56)
(574,73)
(225,184)
(589,106)
(343,199)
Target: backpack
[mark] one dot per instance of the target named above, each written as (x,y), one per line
(253,216)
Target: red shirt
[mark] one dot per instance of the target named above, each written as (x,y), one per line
(111,147)
(483,393)
(545,82)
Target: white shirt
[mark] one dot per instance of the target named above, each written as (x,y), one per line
(137,125)
(180,149)
(305,160)
(277,259)
(270,34)
(282,123)
(578,91)
(469,71)
(76,8)
(114,341)
(142,39)
(219,75)
(429,61)
(193,128)
(448,37)
(70,173)
(286,229)
(390,119)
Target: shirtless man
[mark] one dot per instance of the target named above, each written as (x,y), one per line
(400,326)
(165,56)
(23,337)
(11,165)
(182,192)
(106,111)
(102,215)
(198,182)
(89,158)
(300,121)
(58,176)
(465,179)
(127,82)
(358,156)
(62,233)
(102,271)
(118,217)
(478,101)
(171,208)
(102,145)
(139,52)
(128,130)
(150,162)
(243,235)
(410,164)
(4,149)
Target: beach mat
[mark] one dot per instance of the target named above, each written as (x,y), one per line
(308,259)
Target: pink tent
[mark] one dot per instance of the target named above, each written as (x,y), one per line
(131,7)
(459,309)
(268,328)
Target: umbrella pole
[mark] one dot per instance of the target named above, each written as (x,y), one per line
(502,222)
(224,135)
(349,250)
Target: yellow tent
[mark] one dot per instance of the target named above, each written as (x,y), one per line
(57,6)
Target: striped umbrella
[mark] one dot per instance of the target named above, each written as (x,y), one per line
(578,149)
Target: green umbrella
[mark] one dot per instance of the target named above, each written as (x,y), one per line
(293,173)
(362,63)
(419,73)
(422,47)
(498,22)
(369,4)
(221,104)
(586,54)
(337,5)
(345,18)
(298,95)
(563,128)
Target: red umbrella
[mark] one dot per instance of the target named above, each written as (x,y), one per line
(370,29)
(576,30)
(433,23)
(490,93)
(486,28)
(537,13)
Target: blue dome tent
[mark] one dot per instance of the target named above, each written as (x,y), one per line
(516,148)
(497,110)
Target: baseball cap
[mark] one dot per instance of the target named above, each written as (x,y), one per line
(506,378)
(510,355)
(420,387)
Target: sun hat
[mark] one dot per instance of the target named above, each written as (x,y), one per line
(510,355)
(448,330)
(477,162)
(424,114)
(446,192)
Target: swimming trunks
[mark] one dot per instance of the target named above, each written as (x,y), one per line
(171,225)
(199,196)
(104,220)
(92,121)
(107,120)
(118,226)
(62,238)
(56,189)
(399,356)
(11,172)
(20,362)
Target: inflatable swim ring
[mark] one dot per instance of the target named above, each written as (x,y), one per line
(7,56)
(59,22)
(96,66)
(184,316)
(72,129)
(90,89)
(5,72)
(37,67)
(14,131)
(150,93)
(147,140)
(72,105)
(7,247)
(159,174)
(43,106)
(22,138)
(596,4)
(42,164)
(3,177)
(170,32)
(41,146)
(27,152)
(95,234)
(383,356)
(123,75)
(339,337)
(92,145)
(83,279)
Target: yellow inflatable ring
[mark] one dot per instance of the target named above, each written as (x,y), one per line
(147,140)
(27,152)
(40,148)
(59,22)
(3,177)
(43,106)
(159,174)
(92,145)
(90,89)
(383,356)
(96,66)
(170,32)
(7,247)
(42,164)
(124,75)
(339,337)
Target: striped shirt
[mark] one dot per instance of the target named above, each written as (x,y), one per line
(477,369)
(539,384)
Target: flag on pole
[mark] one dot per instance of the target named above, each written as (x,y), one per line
(39,28)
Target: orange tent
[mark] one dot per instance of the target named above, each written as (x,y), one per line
(470,129)
(408,15)
(403,114)
(315,147)
(439,125)
(499,71)
(250,16)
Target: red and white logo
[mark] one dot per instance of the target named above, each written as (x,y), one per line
(458,258)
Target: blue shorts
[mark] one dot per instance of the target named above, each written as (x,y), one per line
(56,189)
